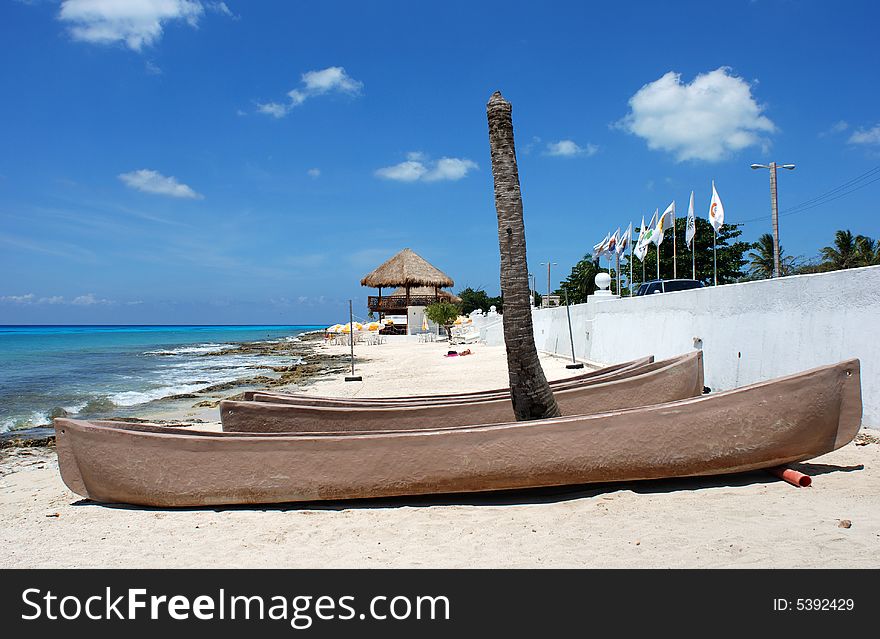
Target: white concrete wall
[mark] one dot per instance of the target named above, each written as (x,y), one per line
(750,332)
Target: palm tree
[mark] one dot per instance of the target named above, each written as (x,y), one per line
(529,390)
(761,259)
(843,254)
(868,251)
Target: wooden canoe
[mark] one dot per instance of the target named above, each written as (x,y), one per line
(634,368)
(424,399)
(759,426)
(666,381)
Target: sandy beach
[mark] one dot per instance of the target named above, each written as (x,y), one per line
(751,520)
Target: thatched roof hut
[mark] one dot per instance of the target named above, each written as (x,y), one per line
(407,269)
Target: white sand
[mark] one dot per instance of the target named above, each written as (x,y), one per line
(751,520)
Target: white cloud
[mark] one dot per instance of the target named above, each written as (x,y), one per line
(273,108)
(220,7)
(83,300)
(450,169)
(314,173)
(18,299)
(708,119)
(152,68)
(154,182)
(838,127)
(866,136)
(313,83)
(417,167)
(569,148)
(408,171)
(137,23)
(89,300)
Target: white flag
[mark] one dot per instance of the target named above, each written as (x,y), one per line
(645,237)
(691,223)
(625,239)
(666,222)
(640,248)
(599,249)
(716,210)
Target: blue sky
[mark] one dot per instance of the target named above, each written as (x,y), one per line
(194,161)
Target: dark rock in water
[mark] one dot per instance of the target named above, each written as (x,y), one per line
(28,437)
(208,403)
(98,405)
(182,396)
(58,412)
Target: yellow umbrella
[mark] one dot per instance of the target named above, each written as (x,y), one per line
(334,329)
(346,328)
(372,326)
(458,320)
(424,322)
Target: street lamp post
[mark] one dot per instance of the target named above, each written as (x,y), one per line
(774,209)
(534,290)
(548,264)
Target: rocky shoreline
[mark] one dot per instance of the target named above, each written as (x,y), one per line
(201,406)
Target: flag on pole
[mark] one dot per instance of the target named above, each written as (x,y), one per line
(666,222)
(611,249)
(625,239)
(637,250)
(716,210)
(691,223)
(599,249)
(645,236)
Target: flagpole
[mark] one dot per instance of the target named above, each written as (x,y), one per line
(658,261)
(618,275)
(674,262)
(630,267)
(715,254)
(693,257)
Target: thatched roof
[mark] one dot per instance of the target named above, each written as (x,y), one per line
(426,290)
(407,268)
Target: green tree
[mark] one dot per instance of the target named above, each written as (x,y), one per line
(843,253)
(761,259)
(443,313)
(731,255)
(497,302)
(868,251)
(580,283)
(473,299)
(530,393)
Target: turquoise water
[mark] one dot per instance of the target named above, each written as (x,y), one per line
(94,370)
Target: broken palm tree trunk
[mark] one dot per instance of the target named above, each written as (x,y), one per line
(531,394)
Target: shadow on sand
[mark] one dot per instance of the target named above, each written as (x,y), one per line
(525,496)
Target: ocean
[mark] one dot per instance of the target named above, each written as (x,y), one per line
(99,370)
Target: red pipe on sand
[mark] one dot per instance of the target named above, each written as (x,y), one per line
(793,477)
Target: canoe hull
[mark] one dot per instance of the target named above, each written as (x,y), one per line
(760,426)
(675,379)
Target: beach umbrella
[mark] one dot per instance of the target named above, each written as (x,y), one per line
(372,326)
(424,322)
(334,329)
(347,328)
